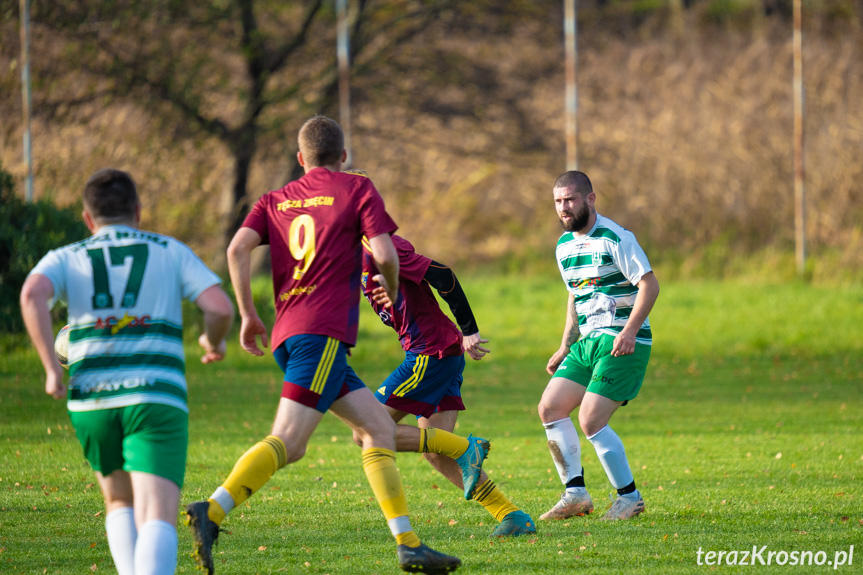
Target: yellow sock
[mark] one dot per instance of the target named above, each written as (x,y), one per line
(215,511)
(494,501)
(250,473)
(439,441)
(380,467)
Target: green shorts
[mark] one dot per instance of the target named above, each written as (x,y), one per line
(150,438)
(591,364)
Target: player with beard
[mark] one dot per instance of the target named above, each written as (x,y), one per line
(603,357)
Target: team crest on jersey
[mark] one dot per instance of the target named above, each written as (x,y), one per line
(597,258)
(365,278)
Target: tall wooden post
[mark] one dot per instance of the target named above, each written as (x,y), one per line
(343,55)
(799,195)
(570,61)
(25,94)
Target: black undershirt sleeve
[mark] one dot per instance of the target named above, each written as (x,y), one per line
(442,278)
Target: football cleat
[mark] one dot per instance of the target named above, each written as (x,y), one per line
(514,524)
(471,463)
(205,533)
(424,559)
(624,508)
(569,505)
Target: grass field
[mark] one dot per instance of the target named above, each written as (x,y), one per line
(748,432)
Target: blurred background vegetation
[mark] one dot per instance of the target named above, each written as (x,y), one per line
(685,119)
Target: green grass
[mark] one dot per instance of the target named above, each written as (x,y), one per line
(748,431)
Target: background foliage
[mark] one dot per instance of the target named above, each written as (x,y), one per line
(27,232)
(685,118)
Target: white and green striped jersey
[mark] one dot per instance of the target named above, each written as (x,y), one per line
(601,270)
(124,288)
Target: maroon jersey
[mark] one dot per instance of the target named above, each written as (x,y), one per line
(314,227)
(418,319)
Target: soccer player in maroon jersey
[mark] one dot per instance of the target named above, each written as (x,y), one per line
(428,382)
(314,227)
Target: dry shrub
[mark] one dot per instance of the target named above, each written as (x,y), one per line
(686,133)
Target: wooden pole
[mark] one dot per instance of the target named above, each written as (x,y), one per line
(343,56)
(799,195)
(25,94)
(570,61)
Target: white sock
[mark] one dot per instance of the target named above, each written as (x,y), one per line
(223,498)
(565,447)
(156,551)
(611,454)
(122,534)
(399,525)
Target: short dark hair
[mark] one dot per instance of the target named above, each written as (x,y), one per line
(111,194)
(321,141)
(577,180)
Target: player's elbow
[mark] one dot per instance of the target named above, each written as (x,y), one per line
(215,303)
(242,244)
(236,250)
(36,291)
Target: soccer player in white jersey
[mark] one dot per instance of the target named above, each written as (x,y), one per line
(602,359)
(127,390)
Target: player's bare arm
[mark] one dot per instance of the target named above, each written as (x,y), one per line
(36,292)
(570,336)
(387,261)
(648,291)
(218,317)
(239,266)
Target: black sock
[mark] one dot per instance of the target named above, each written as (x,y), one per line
(577,481)
(627,490)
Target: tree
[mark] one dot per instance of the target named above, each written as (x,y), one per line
(246,72)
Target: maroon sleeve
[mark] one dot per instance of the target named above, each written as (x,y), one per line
(374,219)
(257,219)
(412,266)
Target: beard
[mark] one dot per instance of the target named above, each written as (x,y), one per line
(579,219)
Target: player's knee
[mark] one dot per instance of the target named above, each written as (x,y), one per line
(589,424)
(381,433)
(548,412)
(383,427)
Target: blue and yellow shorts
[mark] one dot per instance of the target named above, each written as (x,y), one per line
(316,370)
(423,385)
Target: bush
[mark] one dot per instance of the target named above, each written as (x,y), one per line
(27,232)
